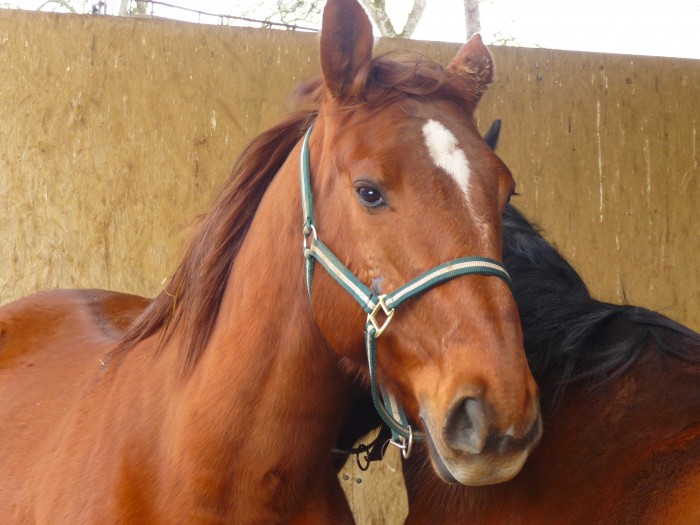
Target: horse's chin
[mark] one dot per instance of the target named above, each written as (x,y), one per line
(473,470)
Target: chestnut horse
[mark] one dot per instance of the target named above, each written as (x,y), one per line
(621,409)
(222,401)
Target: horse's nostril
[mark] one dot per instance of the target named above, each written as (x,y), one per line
(466,427)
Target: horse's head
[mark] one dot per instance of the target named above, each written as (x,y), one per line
(402,182)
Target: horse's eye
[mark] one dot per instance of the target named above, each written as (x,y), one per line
(369,196)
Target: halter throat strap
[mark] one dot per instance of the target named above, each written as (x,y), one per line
(380,309)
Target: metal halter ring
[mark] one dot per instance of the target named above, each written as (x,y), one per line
(308,231)
(405,445)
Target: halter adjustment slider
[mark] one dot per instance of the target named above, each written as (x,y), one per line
(309,230)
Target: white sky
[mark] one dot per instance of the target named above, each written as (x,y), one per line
(640,27)
(644,27)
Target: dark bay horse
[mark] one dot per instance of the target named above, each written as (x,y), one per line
(221,401)
(620,394)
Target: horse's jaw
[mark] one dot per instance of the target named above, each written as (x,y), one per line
(493,463)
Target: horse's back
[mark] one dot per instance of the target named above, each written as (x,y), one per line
(61,324)
(51,343)
(114,310)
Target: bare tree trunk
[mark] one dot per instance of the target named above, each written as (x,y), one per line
(472,17)
(141,8)
(377,10)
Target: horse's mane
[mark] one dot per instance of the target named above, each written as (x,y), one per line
(570,336)
(192,299)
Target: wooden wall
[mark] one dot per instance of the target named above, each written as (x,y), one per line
(116,132)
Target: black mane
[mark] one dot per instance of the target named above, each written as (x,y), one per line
(570,336)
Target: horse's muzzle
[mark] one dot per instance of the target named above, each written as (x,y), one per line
(470,451)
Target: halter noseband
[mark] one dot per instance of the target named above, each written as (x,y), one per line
(314,249)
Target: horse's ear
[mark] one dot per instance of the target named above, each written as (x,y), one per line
(346,43)
(473,66)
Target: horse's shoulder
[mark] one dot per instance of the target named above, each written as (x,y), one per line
(683,501)
(665,485)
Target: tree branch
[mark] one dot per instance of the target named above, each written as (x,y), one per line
(61,3)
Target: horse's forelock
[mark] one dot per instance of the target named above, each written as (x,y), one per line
(385,79)
(395,75)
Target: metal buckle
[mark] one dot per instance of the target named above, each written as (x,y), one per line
(371,317)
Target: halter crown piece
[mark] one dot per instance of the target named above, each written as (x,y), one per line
(315,250)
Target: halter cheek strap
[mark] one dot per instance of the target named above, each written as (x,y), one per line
(380,309)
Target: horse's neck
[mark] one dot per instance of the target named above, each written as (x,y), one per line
(604,450)
(609,450)
(265,401)
(625,435)
(655,402)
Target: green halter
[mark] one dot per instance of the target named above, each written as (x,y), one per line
(374,305)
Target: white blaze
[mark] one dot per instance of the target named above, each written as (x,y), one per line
(446,154)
